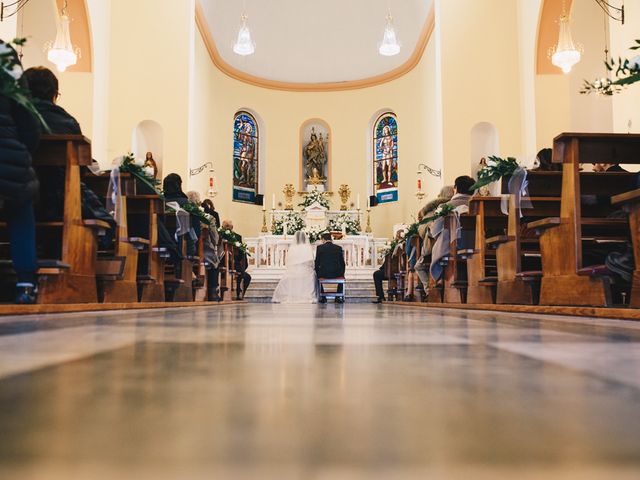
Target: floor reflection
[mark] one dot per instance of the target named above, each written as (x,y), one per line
(302,391)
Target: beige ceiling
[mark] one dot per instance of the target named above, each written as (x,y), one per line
(304,41)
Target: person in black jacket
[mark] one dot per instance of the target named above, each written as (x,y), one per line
(19,137)
(44,87)
(329,263)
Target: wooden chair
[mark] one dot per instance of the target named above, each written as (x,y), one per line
(565,279)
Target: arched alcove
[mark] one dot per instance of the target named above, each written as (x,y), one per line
(315,129)
(485,141)
(148,136)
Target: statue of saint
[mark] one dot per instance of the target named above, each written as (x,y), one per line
(315,156)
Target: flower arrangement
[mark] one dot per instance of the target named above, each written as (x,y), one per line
(346,221)
(11,73)
(495,169)
(294,222)
(314,233)
(313,197)
(233,238)
(627,72)
(135,167)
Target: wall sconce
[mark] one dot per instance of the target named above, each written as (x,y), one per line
(211,192)
(422,167)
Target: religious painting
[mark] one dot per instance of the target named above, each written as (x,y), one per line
(245,158)
(385,161)
(315,156)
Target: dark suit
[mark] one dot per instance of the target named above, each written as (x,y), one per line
(240,264)
(330,262)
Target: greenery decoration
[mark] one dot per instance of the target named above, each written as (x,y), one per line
(495,169)
(233,238)
(627,72)
(11,84)
(198,212)
(135,167)
(313,197)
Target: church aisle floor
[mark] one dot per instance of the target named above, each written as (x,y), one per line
(318,392)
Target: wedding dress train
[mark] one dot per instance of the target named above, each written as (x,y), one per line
(299,284)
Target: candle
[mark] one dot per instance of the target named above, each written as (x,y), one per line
(368,203)
(264,207)
(273,201)
(358,202)
(284,229)
(344,230)
(419,184)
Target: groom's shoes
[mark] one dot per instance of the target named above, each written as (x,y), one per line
(323,299)
(378,300)
(339,300)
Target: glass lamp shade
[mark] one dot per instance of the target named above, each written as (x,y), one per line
(62,53)
(565,55)
(244,45)
(389,45)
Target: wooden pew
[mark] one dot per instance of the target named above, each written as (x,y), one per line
(565,281)
(228,273)
(630,201)
(485,216)
(73,278)
(178,277)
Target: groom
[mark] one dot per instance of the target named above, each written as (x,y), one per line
(329,263)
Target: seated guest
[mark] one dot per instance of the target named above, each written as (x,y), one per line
(19,136)
(424,256)
(608,167)
(44,88)
(194,197)
(544,163)
(383,273)
(172,189)
(213,254)
(437,230)
(240,264)
(329,263)
(210,209)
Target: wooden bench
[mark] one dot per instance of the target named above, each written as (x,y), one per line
(562,237)
(630,201)
(77,283)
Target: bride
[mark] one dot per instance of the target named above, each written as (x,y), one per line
(298,285)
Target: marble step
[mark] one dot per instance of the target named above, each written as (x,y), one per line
(358,291)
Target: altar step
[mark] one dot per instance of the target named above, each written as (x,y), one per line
(358,291)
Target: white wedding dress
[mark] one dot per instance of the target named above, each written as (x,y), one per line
(298,285)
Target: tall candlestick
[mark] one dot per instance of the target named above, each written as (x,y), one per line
(358,202)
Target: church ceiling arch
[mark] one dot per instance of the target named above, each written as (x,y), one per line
(301,47)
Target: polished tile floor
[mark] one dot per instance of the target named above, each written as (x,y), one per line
(318,392)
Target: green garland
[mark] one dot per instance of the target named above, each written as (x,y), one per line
(495,169)
(129,166)
(11,85)
(443,210)
(233,238)
(627,72)
(198,212)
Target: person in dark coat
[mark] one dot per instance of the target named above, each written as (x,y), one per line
(240,264)
(172,189)
(45,90)
(211,210)
(329,263)
(19,137)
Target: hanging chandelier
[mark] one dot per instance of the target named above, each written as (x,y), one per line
(389,45)
(61,52)
(244,45)
(565,54)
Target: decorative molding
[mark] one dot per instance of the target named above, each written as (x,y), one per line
(223,66)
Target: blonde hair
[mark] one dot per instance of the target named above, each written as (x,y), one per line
(194,197)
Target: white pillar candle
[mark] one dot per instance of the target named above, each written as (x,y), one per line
(273,201)
(285,228)
(368,203)
(358,202)
(344,230)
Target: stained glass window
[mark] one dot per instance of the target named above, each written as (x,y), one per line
(385,161)
(245,157)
